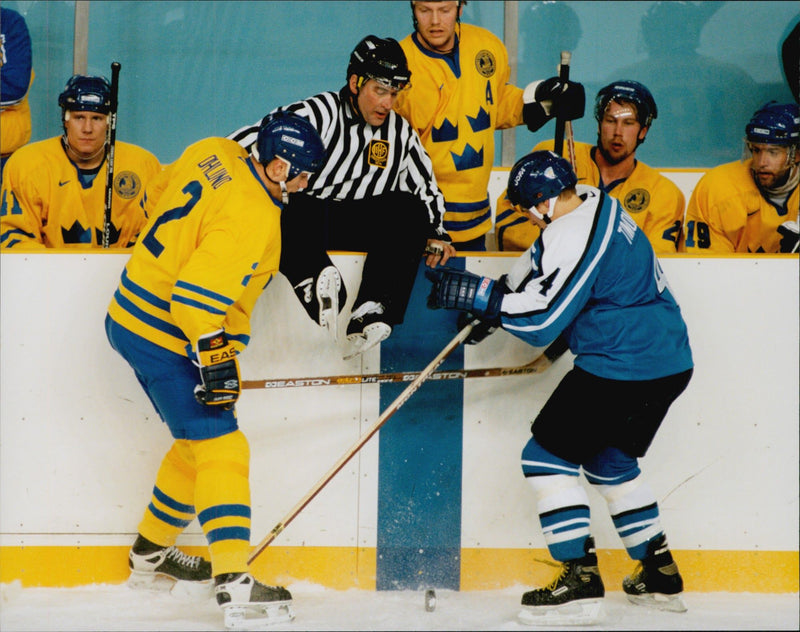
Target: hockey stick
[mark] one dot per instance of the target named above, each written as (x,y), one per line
(112,137)
(391,378)
(390,410)
(563,74)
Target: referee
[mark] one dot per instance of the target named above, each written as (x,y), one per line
(377,182)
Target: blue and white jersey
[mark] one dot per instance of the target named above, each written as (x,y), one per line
(593,275)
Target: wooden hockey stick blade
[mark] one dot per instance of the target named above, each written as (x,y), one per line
(389,378)
(384,417)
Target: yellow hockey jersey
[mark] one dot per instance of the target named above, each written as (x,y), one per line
(43,203)
(456,104)
(209,248)
(655,202)
(727,213)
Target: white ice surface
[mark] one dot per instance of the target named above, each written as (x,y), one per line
(110,607)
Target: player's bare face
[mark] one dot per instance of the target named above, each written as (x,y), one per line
(436,24)
(86,134)
(86,131)
(770,164)
(375,102)
(619,132)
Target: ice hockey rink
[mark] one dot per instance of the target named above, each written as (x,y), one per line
(116,607)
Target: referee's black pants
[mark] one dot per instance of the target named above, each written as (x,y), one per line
(392,229)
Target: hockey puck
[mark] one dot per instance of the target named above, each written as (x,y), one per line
(430,600)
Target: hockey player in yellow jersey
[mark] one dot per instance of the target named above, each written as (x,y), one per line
(180,317)
(459,96)
(751,205)
(624,111)
(54,191)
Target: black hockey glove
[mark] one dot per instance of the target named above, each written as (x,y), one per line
(456,289)
(482,330)
(554,97)
(790,236)
(219,371)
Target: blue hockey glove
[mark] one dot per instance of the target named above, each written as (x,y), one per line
(485,327)
(456,289)
(219,371)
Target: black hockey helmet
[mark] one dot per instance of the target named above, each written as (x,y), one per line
(382,60)
(632,92)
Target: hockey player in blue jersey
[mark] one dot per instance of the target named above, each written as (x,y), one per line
(593,276)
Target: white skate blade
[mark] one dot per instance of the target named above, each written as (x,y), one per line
(249,616)
(659,601)
(372,335)
(328,286)
(183,590)
(578,612)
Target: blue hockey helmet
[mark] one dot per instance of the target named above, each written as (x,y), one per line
(382,60)
(83,93)
(632,92)
(539,176)
(291,137)
(775,124)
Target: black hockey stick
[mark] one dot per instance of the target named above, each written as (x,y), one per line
(563,74)
(390,410)
(389,378)
(112,137)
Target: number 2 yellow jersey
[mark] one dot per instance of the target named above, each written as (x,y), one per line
(44,203)
(210,246)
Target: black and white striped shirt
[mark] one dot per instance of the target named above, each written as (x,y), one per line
(363,161)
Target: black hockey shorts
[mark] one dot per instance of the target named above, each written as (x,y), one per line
(587,413)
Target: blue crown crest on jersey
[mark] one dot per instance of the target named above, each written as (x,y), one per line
(470,159)
(445,132)
(481,122)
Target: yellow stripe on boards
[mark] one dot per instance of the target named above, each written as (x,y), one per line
(342,568)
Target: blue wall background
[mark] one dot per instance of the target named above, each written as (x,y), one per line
(196,69)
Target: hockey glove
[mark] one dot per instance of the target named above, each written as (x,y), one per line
(790,236)
(552,97)
(484,328)
(456,289)
(219,371)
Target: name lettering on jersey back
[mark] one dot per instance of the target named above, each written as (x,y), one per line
(627,226)
(214,172)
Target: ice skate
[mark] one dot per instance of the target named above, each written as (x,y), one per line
(169,569)
(366,329)
(329,283)
(656,582)
(574,597)
(247,603)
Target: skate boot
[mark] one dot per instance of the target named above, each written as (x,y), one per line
(329,283)
(574,597)
(321,299)
(169,569)
(247,603)
(656,582)
(366,328)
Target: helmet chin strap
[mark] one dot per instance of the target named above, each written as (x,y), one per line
(547,217)
(280,183)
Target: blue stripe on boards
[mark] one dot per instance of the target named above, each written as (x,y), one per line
(419,472)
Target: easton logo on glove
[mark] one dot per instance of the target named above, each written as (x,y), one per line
(219,371)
